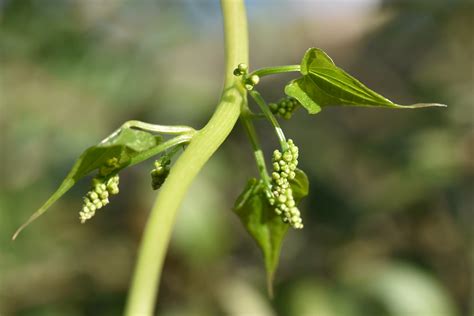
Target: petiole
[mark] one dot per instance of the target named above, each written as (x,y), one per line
(269,115)
(257,150)
(275,70)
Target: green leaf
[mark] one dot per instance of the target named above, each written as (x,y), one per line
(325,84)
(126,147)
(299,185)
(263,224)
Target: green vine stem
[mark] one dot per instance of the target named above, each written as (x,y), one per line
(262,72)
(156,236)
(269,115)
(257,150)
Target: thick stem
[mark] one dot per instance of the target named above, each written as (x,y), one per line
(154,244)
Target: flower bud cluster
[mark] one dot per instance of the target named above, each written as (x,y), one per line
(98,197)
(160,173)
(241,70)
(109,166)
(284,166)
(249,81)
(285,107)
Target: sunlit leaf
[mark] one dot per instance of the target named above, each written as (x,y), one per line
(126,146)
(325,84)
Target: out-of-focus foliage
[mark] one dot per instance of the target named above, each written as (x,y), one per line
(388,220)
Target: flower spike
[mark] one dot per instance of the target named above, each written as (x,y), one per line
(284,166)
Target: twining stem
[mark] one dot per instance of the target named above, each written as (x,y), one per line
(269,115)
(163,129)
(155,240)
(257,150)
(275,70)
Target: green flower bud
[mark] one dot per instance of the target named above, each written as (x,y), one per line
(109,166)
(241,70)
(251,82)
(282,199)
(160,173)
(93,195)
(254,79)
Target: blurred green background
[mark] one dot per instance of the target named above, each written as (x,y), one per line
(388,222)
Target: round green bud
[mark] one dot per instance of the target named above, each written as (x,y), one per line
(114,190)
(241,70)
(287,156)
(282,199)
(254,79)
(93,195)
(104,195)
(276,166)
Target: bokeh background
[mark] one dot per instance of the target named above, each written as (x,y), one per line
(389,219)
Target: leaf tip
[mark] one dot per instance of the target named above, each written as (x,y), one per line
(25,224)
(17,232)
(422,105)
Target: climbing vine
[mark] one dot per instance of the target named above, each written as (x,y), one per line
(268,205)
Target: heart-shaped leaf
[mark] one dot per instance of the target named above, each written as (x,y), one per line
(325,84)
(263,223)
(126,147)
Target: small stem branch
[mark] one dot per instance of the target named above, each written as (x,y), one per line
(163,129)
(266,110)
(181,139)
(262,72)
(257,150)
